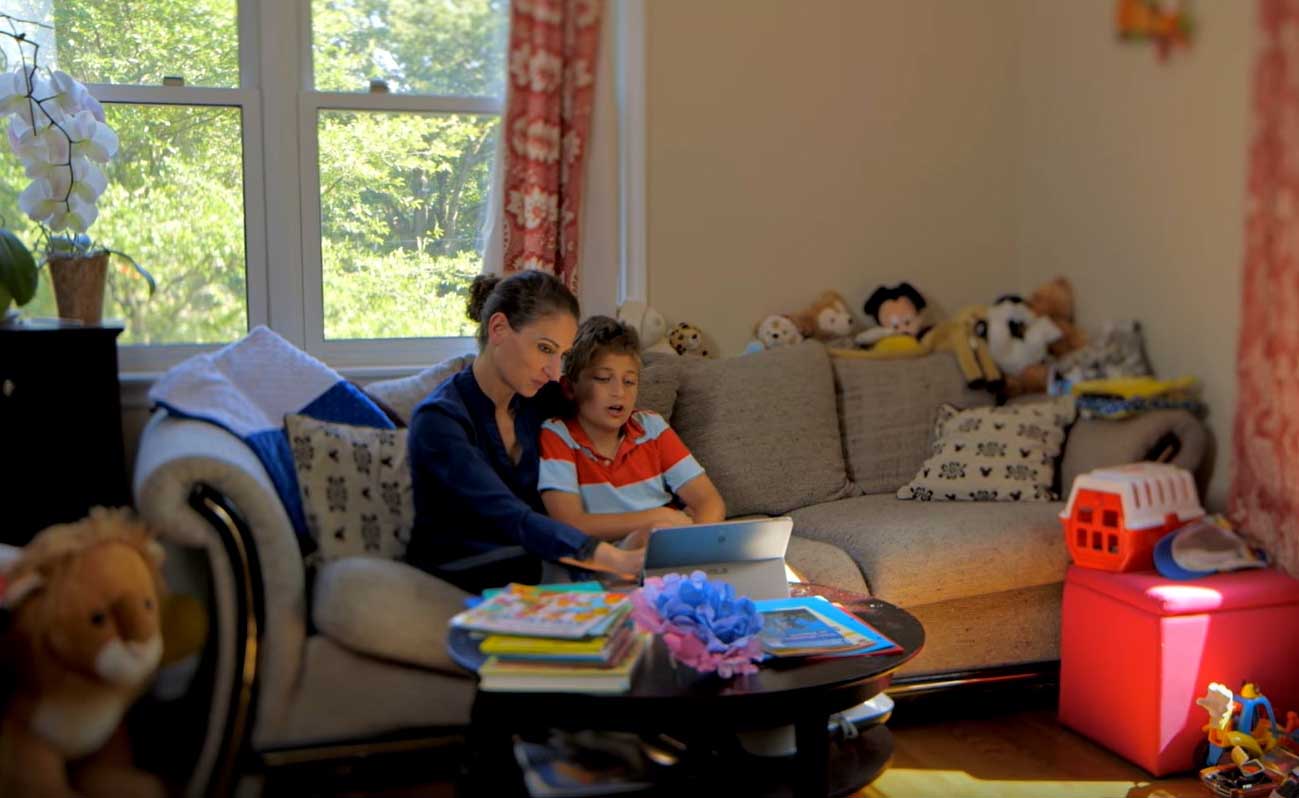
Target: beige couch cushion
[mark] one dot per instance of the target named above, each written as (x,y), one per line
(915,553)
(403,394)
(342,696)
(388,610)
(765,428)
(887,409)
(659,378)
(824,564)
(1014,627)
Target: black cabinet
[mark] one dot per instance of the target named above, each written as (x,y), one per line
(61,425)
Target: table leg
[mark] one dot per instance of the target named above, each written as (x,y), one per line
(812,760)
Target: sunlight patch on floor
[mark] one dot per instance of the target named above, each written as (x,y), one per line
(958,784)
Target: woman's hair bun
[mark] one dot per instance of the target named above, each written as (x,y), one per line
(479,290)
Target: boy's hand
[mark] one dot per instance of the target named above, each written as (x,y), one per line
(667,516)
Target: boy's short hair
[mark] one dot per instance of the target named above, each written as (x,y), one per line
(596,336)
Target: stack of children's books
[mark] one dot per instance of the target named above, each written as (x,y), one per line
(812,626)
(574,639)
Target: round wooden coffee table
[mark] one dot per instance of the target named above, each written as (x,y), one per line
(698,708)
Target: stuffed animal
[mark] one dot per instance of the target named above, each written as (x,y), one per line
(688,340)
(776,331)
(1018,337)
(1054,300)
(897,311)
(83,642)
(825,319)
(649,325)
(960,336)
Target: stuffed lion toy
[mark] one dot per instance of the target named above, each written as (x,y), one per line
(83,641)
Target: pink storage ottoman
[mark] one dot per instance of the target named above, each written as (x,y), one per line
(1137,649)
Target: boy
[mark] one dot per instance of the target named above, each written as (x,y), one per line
(611,470)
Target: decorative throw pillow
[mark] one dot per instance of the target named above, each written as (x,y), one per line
(355,486)
(994,453)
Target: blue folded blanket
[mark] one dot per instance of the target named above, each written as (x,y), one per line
(249,386)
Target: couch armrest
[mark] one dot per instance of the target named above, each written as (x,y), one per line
(178,457)
(1094,443)
(387,609)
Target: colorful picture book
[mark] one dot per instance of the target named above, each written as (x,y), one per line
(859,637)
(510,675)
(594,651)
(528,611)
(799,631)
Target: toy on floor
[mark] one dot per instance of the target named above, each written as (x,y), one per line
(83,642)
(1244,725)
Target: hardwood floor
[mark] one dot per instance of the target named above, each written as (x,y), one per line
(1024,753)
(1005,745)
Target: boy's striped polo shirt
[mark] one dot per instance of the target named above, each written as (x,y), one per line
(651,464)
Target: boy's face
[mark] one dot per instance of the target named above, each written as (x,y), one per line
(606,390)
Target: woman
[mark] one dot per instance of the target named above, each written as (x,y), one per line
(479,521)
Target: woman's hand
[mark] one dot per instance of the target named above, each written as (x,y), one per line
(627,562)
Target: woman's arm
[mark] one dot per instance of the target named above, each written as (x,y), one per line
(567,507)
(442,453)
(703,503)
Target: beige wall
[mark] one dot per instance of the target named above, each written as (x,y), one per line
(795,146)
(1132,183)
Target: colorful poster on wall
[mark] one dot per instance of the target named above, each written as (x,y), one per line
(1167,24)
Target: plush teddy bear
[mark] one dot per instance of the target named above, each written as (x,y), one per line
(775,331)
(1019,341)
(898,315)
(649,325)
(1054,300)
(688,340)
(83,642)
(825,319)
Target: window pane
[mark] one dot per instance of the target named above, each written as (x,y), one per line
(135,41)
(417,46)
(174,203)
(402,204)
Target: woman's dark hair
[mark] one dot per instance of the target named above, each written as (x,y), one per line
(595,336)
(523,298)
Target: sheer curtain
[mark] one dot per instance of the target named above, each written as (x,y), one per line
(1265,480)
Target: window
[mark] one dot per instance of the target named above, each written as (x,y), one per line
(321,166)
(176,194)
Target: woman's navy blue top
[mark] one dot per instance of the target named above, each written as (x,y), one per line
(471,500)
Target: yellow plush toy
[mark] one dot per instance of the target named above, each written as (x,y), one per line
(83,642)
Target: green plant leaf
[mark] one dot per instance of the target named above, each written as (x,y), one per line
(148,278)
(17,269)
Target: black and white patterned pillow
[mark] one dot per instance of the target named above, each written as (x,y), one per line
(355,486)
(993,453)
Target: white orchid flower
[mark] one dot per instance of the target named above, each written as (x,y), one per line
(80,215)
(68,94)
(13,91)
(91,138)
(53,146)
(38,201)
(88,180)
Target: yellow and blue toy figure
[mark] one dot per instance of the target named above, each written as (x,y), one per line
(1253,734)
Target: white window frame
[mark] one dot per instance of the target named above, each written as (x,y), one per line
(247,99)
(279,107)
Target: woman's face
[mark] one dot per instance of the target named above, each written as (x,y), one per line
(532,355)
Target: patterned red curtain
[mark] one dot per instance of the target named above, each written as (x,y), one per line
(547,123)
(1265,480)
